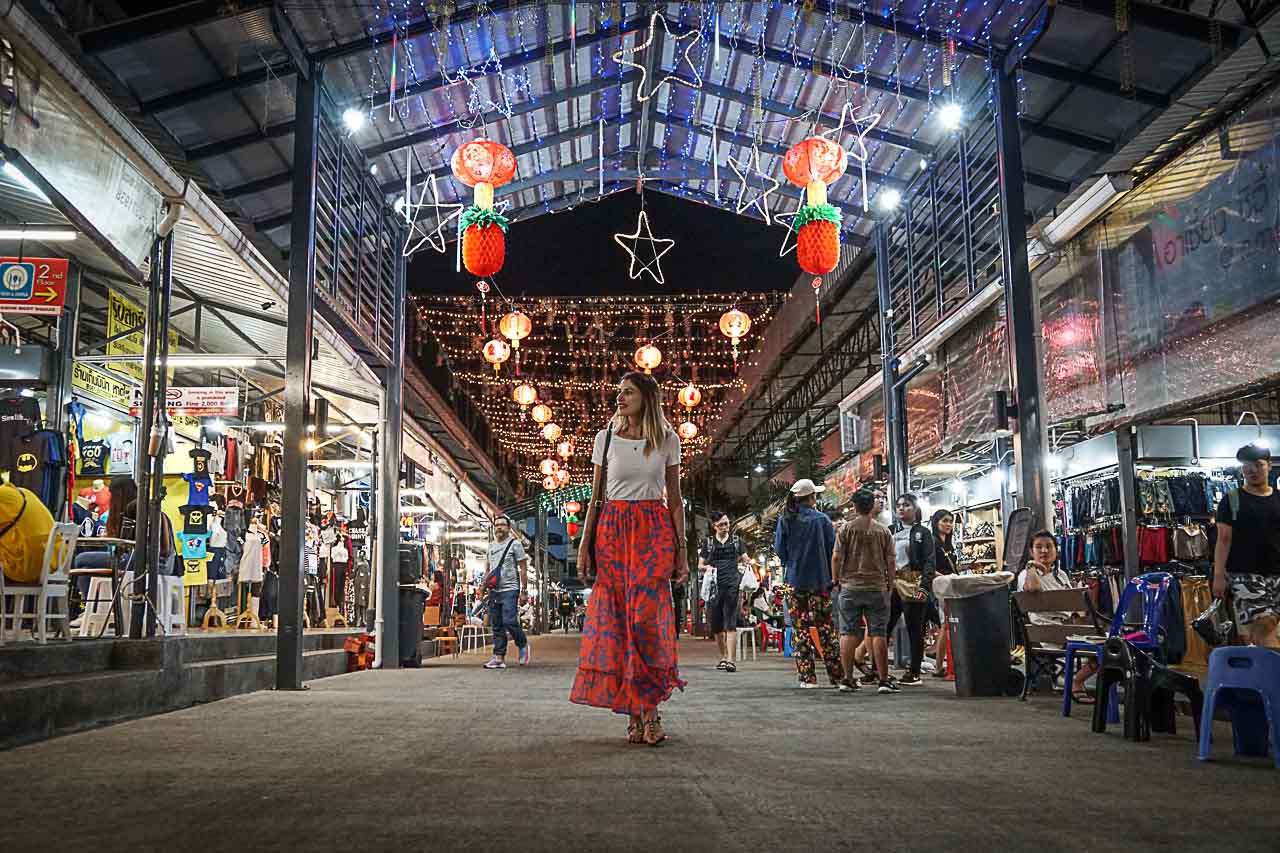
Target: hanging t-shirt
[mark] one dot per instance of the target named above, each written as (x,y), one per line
(198,488)
(236,494)
(195,519)
(194,547)
(18,417)
(30,460)
(94,457)
(633,474)
(121,453)
(217,533)
(200,462)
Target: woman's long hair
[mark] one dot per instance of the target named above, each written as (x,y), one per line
(124,491)
(937,534)
(653,423)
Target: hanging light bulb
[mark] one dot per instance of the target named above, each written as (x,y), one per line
(548,467)
(687,430)
(648,357)
(551,432)
(565,449)
(496,352)
(541,413)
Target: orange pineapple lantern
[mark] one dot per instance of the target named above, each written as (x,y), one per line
(483,164)
(814,164)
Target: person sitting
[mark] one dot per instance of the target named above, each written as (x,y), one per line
(1042,573)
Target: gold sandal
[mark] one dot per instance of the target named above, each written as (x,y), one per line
(653,733)
(635,731)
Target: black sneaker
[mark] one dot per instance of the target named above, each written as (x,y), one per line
(889,686)
(848,686)
(869,680)
(910,679)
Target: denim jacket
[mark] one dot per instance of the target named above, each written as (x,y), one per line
(804,544)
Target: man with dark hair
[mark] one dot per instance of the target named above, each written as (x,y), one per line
(862,567)
(507,560)
(1247,557)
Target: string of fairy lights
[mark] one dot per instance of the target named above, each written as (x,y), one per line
(545,410)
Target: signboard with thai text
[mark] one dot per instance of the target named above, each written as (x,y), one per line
(196,402)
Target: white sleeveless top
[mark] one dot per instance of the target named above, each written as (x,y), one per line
(633,476)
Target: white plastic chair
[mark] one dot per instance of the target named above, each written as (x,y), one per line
(97,607)
(171,608)
(55,583)
(743,635)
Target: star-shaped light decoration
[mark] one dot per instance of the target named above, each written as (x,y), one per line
(418,233)
(760,202)
(789,219)
(860,141)
(656,244)
(642,93)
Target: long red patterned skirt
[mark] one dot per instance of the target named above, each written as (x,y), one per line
(628,660)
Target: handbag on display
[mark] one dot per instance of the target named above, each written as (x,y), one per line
(1216,626)
(590,536)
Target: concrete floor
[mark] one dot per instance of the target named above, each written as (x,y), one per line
(452,757)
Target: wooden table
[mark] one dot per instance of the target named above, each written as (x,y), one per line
(97,543)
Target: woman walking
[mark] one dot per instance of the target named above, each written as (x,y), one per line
(628,660)
(803,542)
(913,549)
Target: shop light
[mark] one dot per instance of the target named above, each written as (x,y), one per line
(1053,462)
(265,427)
(951,115)
(309,445)
(943,468)
(1086,208)
(997,474)
(215,425)
(340,463)
(398,207)
(777,453)
(26,392)
(99,420)
(48,235)
(759,469)
(211,360)
(889,199)
(17,175)
(353,119)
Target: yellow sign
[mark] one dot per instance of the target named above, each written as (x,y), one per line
(124,314)
(187,426)
(197,572)
(101,385)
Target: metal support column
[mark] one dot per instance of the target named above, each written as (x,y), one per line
(887,366)
(297,382)
(1022,307)
(68,330)
(540,564)
(155,424)
(389,482)
(1125,453)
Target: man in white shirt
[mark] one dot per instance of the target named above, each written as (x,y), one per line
(508,561)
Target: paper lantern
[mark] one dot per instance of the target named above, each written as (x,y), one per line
(572,507)
(565,449)
(525,395)
(690,396)
(687,430)
(815,164)
(648,357)
(541,413)
(562,476)
(549,483)
(496,352)
(734,325)
(551,432)
(548,467)
(515,326)
(483,164)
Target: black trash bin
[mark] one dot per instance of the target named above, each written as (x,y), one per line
(413,600)
(980,641)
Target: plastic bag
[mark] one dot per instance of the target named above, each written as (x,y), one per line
(1216,626)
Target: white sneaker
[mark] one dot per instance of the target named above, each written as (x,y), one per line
(495,662)
(808,685)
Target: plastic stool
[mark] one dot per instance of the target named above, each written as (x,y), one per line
(1246,681)
(171,611)
(787,648)
(743,635)
(97,607)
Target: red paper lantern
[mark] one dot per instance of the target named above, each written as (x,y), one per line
(816,159)
(483,161)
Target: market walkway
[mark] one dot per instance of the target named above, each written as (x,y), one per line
(451,757)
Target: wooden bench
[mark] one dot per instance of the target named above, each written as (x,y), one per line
(1045,645)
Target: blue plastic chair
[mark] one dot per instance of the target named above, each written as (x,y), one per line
(786,643)
(1154,589)
(1245,680)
